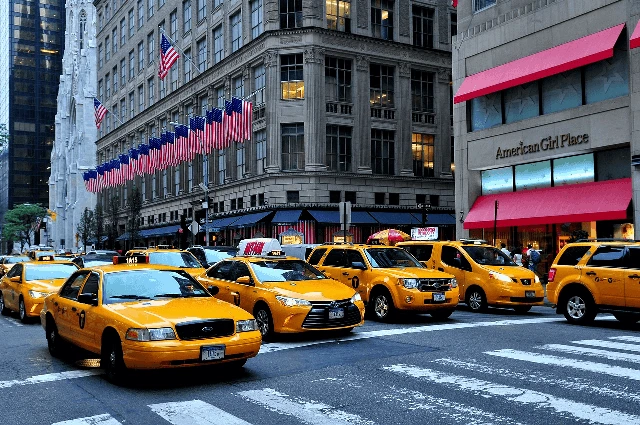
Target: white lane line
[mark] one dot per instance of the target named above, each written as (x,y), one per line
(105,419)
(609,344)
(562,406)
(593,352)
(195,412)
(603,368)
(309,412)
(273,347)
(50,377)
(627,338)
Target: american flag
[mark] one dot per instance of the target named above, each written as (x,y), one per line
(227,122)
(182,142)
(133,162)
(93,181)
(168,56)
(100,183)
(124,168)
(154,155)
(246,124)
(236,104)
(164,156)
(87,181)
(143,159)
(196,135)
(172,158)
(218,129)
(99,111)
(208,133)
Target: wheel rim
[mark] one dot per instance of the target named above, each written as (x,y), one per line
(381,306)
(262,317)
(576,307)
(475,300)
(1,303)
(113,359)
(22,310)
(52,337)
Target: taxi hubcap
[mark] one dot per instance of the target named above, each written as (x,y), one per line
(21,309)
(576,307)
(382,306)
(112,359)
(1,303)
(263,322)
(475,301)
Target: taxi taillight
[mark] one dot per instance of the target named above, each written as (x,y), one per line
(115,259)
(147,259)
(552,275)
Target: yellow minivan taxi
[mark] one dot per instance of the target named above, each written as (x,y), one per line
(485,275)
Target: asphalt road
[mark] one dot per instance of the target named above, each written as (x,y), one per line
(492,368)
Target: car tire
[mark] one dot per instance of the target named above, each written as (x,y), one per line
(476,299)
(442,314)
(521,309)
(627,318)
(381,306)
(3,308)
(22,311)
(579,308)
(264,321)
(56,346)
(236,364)
(112,360)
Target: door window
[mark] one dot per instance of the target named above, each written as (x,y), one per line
(335,258)
(223,271)
(633,259)
(72,287)
(453,257)
(607,256)
(240,270)
(15,271)
(91,286)
(353,256)
(316,256)
(572,255)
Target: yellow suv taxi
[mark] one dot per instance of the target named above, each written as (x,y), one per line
(388,279)
(169,256)
(596,276)
(486,275)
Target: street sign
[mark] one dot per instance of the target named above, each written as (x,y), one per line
(345,215)
(194,227)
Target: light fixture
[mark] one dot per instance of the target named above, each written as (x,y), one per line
(462,216)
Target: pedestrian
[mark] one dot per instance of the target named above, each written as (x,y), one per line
(503,248)
(533,257)
(517,256)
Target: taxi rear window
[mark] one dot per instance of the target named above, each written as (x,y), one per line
(49,271)
(572,255)
(175,259)
(147,284)
(13,260)
(283,271)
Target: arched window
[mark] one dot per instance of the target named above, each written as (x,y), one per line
(83,26)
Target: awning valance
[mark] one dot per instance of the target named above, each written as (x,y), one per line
(634,41)
(159,231)
(397,218)
(595,201)
(565,57)
(286,217)
(250,219)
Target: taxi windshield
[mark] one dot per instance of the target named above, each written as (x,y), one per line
(49,271)
(147,284)
(175,259)
(488,256)
(13,260)
(391,258)
(284,270)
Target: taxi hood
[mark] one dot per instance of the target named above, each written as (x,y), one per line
(51,285)
(313,290)
(170,311)
(412,272)
(518,272)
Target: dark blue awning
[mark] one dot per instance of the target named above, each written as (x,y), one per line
(123,237)
(220,223)
(286,217)
(362,217)
(401,218)
(325,217)
(436,219)
(159,231)
(250,219)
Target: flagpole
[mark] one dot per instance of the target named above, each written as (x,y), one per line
(174,44)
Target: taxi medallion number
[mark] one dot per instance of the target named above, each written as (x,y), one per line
(336,313)
(211,352)
(530,294)
(438,297)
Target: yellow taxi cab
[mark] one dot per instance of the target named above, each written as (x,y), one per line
(388,279)
(285,294)
(486,275)
(25,286)
(169,256)
(7,262)
(143,316)
(596,276)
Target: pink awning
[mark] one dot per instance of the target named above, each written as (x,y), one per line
(571,55)
(634,41)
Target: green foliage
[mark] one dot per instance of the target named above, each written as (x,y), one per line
(86,226)
(20,223)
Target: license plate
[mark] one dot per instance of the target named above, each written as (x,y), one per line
(438,297)
(211,352)
(530,294)
(336,313)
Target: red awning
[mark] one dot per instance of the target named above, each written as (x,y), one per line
(571,55)
(634,41)
(605,200)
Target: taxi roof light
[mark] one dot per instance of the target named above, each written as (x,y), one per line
(260,247)
(130,259)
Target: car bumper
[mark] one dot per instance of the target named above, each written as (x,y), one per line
(414,300)
(292,320)
(33,307)
(517,298)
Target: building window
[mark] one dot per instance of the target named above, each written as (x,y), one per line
(100,22)
(293,146)
(217,3)
(240,203)
(107,79)
(237,85)
(339,15)
(152,90)
(115,80)
(422,27)
(123,31)
(253,200)
(379,198)
(236,32)
(394,199)
(261,199)
(233,205)
(382,151)
(150,4)
(107,49)
(176,180)
(114,115)
(141,56)
(107,13)
(335,196)
(123,109)
(339,148)
(161,3)
(132,105)
(337,79)
(140,14)
(382,19)
(293,197)
(114,41)
(220,96)
(151,43)
(187,66)
(562,91)
(350,197)
(222,168)
(479,5)
(291,74)
(100,93)
(256,18)
(218,45)
(186,16)
(132,23)
(173,24)
(123,72)
(173,76)
(260,138)
(486,111)
(608,78)
(240,160)
(521,102)
(201,45)
(140,101)
(132,64)
(422,91)
(290,14)
(381,85)
(202,9)
(163,88)
(259,79)
(454,25)
(100,55)
(422,146)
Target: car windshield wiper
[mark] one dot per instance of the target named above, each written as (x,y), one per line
(167,296)
(133,297)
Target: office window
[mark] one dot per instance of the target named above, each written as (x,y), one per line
(173,24)
(237,85)
(123,73)
(220,96)
(107,13)
(186,16)
(173,77)
(140,100)
(236,32)
(382,151)
(259,79)
(140,14)
(152,90)
(151,46)
(100,22)
(123,31)
(260,138)
(218,44)
(337,79)
(132,64)
(381,85)
(291,74)
(339,15)
(202,54)
(150,4)
(100,55)
(107,79)
(161,3)
(202,9)
(163,88)
(132,23)
(338,148)
(114,41)
(222,168)
(187,65)
(100,92)
(256,18)
(293,146)
(422,91)
(123,110)
(479,5)
(240,160)
(382,19)
(422,148)
(290,14)
(141,56)
(132,105)
(422,27)
(107,49)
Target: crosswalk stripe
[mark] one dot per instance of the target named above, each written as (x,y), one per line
(537,399)
(50,377)
(105,419)
(627,338)
(594,352)
(309,412)
(273,347)
(609,344)
(195,412)
(603,368)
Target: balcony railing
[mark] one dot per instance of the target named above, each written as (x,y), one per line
(339,108)
(383,113)
(423,117)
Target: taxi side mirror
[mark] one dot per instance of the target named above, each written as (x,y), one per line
(244,280)
(16,279)
(213,290)
(358,265)
(91,299)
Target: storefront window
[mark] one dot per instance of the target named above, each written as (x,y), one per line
(561,91)
(486,112)
(497,181)
(521,102)
(533,175)
(573,169)
(608,78)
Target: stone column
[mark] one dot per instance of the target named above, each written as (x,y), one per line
(314,110)
(272,112)
(403,116)
(249,146)
(361,141)
(442,148)
(271,15)
(230,152)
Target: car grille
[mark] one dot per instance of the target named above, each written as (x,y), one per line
(431,285)
(526,281)
(205,329)
(318,317)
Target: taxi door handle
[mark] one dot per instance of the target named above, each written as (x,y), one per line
(590,273)
(634,276)
(74,309)
(345,273)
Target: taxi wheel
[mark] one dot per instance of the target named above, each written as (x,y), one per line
(237,364)
(264,320)
(521,309)
(579,308)
(382,306)
(54,343)
(112,360)
(476,299)
(3,309)
(441,314)
(628,318)
(22,311)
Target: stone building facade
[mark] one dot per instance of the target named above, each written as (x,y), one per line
(345,108)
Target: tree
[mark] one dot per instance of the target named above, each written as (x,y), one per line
(86,227)
(98,230)
(112,217)
(21,222)
(133,223)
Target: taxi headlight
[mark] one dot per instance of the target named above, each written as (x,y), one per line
(38,294)
(410,283)
(292,302)
(356,297)
(501,277)
(454,283)
(246,325)
(154,334)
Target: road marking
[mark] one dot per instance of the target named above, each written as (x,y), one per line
(562,406)
(12,323)
(309,412)
(50,377)
(593,352)
(626,338)
(273,347)
(609,344)
(195,412)
(603,368)
(105,419)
